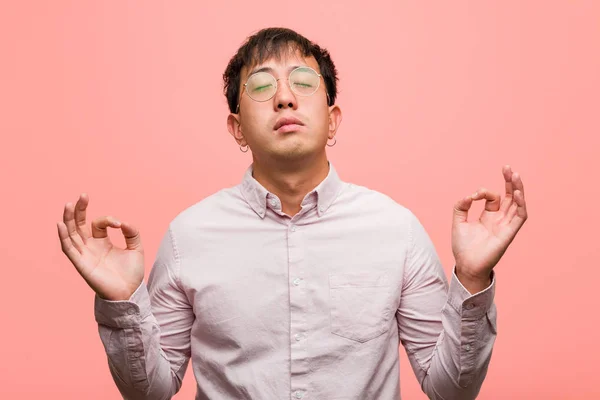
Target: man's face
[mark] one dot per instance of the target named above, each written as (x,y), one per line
(308,122)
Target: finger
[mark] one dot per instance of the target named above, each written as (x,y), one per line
(461,209)
(522,206)
(80,213)
(69,221)
(510,214)
(507,172)
(518,210)
(132,236)
(492,199)
(101,224)
(518,183)
(521,215)
(508,197)
(67,245)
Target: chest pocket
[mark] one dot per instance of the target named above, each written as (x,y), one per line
(360,306)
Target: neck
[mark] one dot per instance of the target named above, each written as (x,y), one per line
(291,182)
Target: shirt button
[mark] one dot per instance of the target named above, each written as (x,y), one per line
(298,337)
(273,202)
(293,228)
(297,281)
(131,311)
(321,209)
(298,394)
(137,354)
(468,347)
(470,306)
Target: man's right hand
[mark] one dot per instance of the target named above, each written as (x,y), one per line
(113,273)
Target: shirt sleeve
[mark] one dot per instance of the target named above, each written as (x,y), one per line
(448,333)
(147,338)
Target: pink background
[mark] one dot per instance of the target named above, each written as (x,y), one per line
(123,100)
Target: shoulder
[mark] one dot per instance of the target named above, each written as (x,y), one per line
(210,209)
(373,201)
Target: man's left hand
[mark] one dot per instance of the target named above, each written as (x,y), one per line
(479,245)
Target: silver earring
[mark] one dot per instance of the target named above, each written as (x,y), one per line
(334,142)
(242,149)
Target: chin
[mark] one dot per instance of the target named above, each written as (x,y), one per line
(291,153)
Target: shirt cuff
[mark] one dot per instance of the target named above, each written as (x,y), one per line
(123,313)
(467,305)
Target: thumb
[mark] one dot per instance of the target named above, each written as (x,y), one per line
(461,210)
(132,236)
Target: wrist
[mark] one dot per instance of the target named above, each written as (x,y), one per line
(474,283)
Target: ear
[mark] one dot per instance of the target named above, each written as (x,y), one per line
(335,119)
(235,129)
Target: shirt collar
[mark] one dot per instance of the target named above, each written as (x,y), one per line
(324,194)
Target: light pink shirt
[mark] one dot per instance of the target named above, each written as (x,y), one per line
(312,306)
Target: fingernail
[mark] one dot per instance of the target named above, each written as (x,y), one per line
(474,194)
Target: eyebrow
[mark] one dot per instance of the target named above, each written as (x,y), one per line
(270,70)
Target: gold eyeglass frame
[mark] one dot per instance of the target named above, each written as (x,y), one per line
(244,89)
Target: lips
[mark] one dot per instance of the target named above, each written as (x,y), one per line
(287,121)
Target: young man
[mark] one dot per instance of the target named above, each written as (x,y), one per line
(295,284)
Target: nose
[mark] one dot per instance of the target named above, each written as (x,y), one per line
(284,97)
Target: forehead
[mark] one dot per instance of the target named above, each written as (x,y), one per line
(281,63)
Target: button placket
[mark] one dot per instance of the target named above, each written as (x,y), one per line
(299,366)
